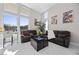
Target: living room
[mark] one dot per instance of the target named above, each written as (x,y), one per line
(60,18)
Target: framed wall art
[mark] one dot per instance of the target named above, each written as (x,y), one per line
(68,16)
(36,22)
(54,19)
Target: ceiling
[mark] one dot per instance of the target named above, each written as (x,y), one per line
(39,7)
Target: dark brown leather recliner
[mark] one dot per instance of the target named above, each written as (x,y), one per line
(27,35)
(62,38)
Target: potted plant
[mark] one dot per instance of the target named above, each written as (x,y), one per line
(41,28)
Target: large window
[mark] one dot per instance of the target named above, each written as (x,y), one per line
(10,22)
(24,23)
(46,20)
(46,26)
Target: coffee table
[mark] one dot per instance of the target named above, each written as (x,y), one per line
(39,43)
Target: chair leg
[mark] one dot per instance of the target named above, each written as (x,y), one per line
(12,41)
(3,42)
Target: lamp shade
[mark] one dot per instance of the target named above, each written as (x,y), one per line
(1,29)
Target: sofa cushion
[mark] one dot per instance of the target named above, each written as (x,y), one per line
(25,33)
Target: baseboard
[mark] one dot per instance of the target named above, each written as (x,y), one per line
(74,44)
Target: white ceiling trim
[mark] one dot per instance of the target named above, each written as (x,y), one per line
(39,7)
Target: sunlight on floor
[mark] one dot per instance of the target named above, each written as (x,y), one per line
(27,49)
(7,52)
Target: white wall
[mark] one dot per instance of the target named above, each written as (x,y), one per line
(59,9)
(19,10)
(32,20)
(1,25)
(31,14)
(25,11)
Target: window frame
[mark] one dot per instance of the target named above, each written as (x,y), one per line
(9,13)
(26,18)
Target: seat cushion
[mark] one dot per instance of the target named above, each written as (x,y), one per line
(25,33)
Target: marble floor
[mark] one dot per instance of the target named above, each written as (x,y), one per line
(27,49)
